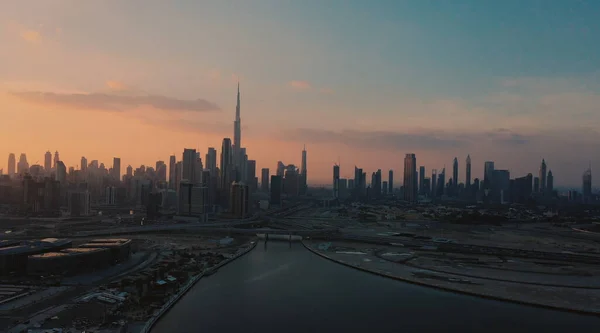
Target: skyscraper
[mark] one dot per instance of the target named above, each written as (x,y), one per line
(303,174)
(542,176)
(276,188)
(336,181)
(188,165)
(61,172)
(536,184)
(22,166)
(172,163)
(116,169)
(468,174)
(455,172)
(264,179)
(237,134)
(488,170)
(56,158)
(211,160)
(550,182)
(48,161)
(251,175)
(84,164)
(421,178)
(161,171)
(12,164)
(239,204)
(433,183)
(410,179)
(280,169)
(225,164)
(587,184)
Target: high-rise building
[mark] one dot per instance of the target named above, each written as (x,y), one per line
(291,181)
(23,165)
(116,169)
(391,181)
(433,183)
(84,164)
(384,187)
(587,184)
(211,160)
(522,189)
(110,194)
(189,165)
(161,171)
(264,180)
(226,165)
(343,187)
(410,179)
(79,203)
(468,172)
(239,204)
(193,199)
(12,164)
(543,176)
(303,173)
(441,183)
(336,181)
(421,178)
(455,172)
(56,158)
(237,134)
(501,186)
(276,189)
(536,185)
(550,182)
(61,173)
(488,170)
(172,162)
(48,161)
(198,168)
(280,169)
(251,175)
(130,171)
(377,186)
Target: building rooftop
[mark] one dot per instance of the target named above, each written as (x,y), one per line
(109,240)
(48,255)
(82,250)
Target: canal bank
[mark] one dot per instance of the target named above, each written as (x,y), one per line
(433,281)
(209,271)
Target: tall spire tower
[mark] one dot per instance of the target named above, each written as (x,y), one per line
(237,132)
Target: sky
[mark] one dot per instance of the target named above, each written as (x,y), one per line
(358,82)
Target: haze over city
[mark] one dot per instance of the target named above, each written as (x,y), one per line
(356,82)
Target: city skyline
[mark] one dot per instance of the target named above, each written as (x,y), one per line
(492,95)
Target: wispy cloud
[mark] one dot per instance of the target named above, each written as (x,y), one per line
(417,140)
(117,85)
(112,102)
(300,85)
(32,36)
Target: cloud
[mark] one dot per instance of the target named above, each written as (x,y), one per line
(396,140)
(31,36)
(300,85)
(327,91)
(112,102)
(117,85)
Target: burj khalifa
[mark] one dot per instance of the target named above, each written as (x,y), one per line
(237,135)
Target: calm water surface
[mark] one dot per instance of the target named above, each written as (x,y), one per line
(283,288)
